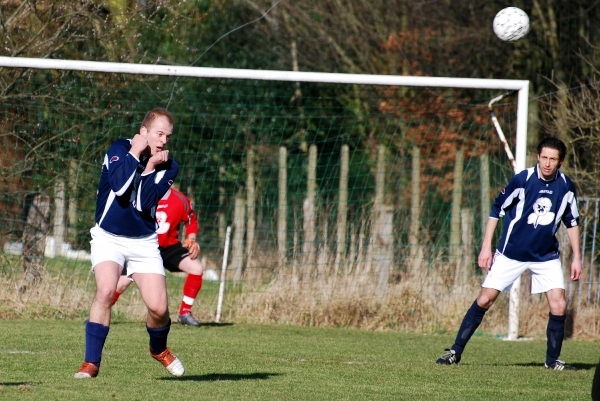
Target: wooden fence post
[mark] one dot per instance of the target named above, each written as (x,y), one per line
(385,254)
(37,212)
(466,248)
(250,206)
(59,217)
(342,216)
(237,257)
(72,210)
(309,216)
(222,213)
(415,212)
(484,177)
(456,206)
(282,209)
(375,210)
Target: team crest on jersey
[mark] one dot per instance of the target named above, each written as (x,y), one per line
(541,213)
(114,159)
(170,182)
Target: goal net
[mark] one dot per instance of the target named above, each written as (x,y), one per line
(355,200)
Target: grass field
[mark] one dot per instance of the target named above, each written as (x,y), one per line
(263,362)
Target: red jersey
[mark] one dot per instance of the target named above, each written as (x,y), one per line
(172,210)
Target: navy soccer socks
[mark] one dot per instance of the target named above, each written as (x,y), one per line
(555,332)
(95,337)
(158,338)
(470,323)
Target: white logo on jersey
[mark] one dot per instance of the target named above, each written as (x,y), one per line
(163,224)
(541,213)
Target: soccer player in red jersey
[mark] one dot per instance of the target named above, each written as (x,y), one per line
(174,209)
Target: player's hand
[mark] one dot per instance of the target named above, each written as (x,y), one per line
(576,269)
(158,158)
(485,259)
(139,144)
(193,247)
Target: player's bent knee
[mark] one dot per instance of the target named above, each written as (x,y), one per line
(485,303)
(158,312)
(557,302)
(487,297)
(191,266)
(558,309)
(104,295)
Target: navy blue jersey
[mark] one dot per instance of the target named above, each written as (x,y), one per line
(127,198)
(533,209)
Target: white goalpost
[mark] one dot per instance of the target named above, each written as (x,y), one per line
(223,275)
(520,86)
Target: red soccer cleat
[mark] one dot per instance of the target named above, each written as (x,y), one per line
(170,362)
(87,371)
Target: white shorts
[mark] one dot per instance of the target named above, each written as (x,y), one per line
(140,254)
(545,276)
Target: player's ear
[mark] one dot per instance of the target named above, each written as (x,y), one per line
(143,130)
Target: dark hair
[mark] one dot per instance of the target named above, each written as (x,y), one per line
(553,143)
(153,114)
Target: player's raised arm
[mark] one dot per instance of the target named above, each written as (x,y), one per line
(156,184)
(160,170)
(139,146)
(121,166)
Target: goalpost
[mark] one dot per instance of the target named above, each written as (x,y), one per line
(521,86)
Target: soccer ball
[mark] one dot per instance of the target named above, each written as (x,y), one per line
(511,24)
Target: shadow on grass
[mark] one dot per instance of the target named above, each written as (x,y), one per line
(215,377)
(173,323)
(214,324)
(578,366)
(18,384)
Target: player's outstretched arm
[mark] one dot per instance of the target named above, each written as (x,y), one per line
(574,240)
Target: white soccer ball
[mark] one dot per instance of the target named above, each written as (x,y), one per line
(511,24)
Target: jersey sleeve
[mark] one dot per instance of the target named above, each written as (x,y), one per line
(508,197)
(121,166)
(570,218)
(191,225)
(154,185)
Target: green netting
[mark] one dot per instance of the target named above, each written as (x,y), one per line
(57,126)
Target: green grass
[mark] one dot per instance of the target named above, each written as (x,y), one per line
(254,362)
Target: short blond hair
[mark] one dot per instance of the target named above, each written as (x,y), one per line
(154,113)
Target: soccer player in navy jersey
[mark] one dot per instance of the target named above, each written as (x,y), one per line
(534,204)
(136,173)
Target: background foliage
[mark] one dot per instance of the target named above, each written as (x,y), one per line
(52,129)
